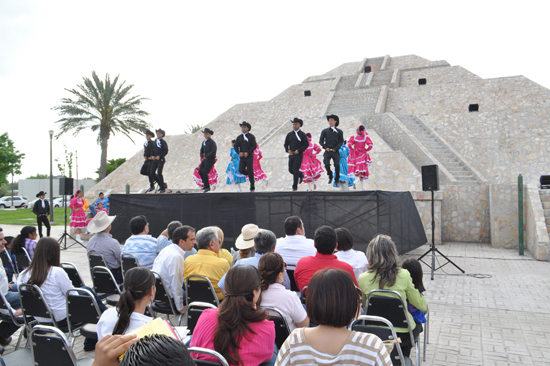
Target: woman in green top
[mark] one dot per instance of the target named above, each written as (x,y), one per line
(384,272)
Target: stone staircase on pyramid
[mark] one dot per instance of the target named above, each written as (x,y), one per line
(446,157)
(354,102)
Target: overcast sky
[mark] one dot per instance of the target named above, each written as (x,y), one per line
(194,60)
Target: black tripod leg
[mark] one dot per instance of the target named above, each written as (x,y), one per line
(425,254)
(450,261)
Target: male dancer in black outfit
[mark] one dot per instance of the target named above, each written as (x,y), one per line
(208,155)
(245,145)
(41,209)
(148,147)
(159,153)
(296,143)
(331,140)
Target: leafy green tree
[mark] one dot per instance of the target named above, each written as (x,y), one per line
(10,158)
(68,163)
(105,108)
(113,164)
(39,176)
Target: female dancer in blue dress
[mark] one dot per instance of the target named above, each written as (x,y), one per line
(233,175)
(347,180)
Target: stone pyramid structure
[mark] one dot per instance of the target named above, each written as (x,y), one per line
(481,133)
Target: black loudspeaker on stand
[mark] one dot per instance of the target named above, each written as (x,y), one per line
(430,182)
(66,189)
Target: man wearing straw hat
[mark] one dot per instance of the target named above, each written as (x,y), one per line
(104,243)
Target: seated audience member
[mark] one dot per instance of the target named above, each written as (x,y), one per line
(165,238)
(384,273)
(264,242)
(152,350)
(346,253)
(238,330)
(294,246)
(170,265)
(325,244)
(104,243)
(332,302)
(140,244)
(224,253)
(245,243)
(7,246)
(272,272)
(45,272)
(7,328)
(206,262)
(100,208)
(26,239)
(103,200)
(129,313)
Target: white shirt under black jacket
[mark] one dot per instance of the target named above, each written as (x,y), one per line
(169,265)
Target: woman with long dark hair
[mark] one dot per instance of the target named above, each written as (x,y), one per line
(384,272)
(272,272)
(129,313)
(237,329)
(45,272)
(347,254)
(26,239)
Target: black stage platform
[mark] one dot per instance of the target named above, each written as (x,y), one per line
(364,213)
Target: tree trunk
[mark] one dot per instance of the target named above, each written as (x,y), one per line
(104,139)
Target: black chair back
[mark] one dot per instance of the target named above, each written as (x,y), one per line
(22,260)
(82,307)
(293,285)
(34,304)
(194,311)
(104,281)
(128,261)
(200,289)
(73,274)
(9,316)
(282,330)
(205,351)
(95,259)
(389,308)
(51,347)
(303,295)
(6,260)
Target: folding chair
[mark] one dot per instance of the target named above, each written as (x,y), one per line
(127,262)
(73,273)
(389,304)
(22,260)
(33,304)
(209,352)
(382,328)
(9,316)
(282,330)
(105,283)
(303,295)
(82,314)
(50,346)
(293,285)
(199,288)
(95,259)
(162,295)
(6,261)
(193,313)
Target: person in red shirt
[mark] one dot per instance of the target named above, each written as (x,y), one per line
(325,243)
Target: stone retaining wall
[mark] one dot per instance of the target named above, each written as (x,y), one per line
(503,202)
(536,241)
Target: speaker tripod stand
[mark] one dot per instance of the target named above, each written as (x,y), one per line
(63,238)
(433,249)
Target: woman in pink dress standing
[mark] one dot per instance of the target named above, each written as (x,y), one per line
(259,174)
(311,166)
(359,160)
(78,216)
(212,176)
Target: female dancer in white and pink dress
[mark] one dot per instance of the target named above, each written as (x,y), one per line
(259,174)
(359,160)
(212,176)
(311,166)
(78,216)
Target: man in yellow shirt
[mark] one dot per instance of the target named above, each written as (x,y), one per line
(206,262)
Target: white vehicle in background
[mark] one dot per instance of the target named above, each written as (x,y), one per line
(58,202)
(18,201)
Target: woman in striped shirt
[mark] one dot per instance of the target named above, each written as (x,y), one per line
(332,302)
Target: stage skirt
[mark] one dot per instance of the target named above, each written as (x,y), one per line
(311,168)
(233,175)
(212,176)
(359,164)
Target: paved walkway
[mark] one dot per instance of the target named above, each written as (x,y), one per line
(495,314)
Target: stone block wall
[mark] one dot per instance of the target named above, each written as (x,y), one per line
(536,239)
(436,76)
(503,202)
(345,69)
(423,201)
(411,62)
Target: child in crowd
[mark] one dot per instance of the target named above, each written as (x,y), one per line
(415,269)
(101,208)
(26,239)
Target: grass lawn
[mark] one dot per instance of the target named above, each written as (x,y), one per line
(24,216)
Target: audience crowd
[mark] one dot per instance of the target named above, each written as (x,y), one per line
(318,285)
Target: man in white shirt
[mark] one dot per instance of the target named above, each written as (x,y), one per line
(294,246)
(169,264)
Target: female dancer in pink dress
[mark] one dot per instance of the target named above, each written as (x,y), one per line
(311,166)
(78,216)
(359,160)
(212,176)
(259,174)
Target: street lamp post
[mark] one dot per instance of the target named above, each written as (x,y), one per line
(51,178)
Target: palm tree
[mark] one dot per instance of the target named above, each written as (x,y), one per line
(101,106)
(192,129)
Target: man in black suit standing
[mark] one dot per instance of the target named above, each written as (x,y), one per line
(331,140)
(208,155)
(148,147)
(160,151)
(295,144)
(245,145)
(41,209)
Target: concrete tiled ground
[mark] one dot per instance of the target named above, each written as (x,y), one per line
(495,314)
